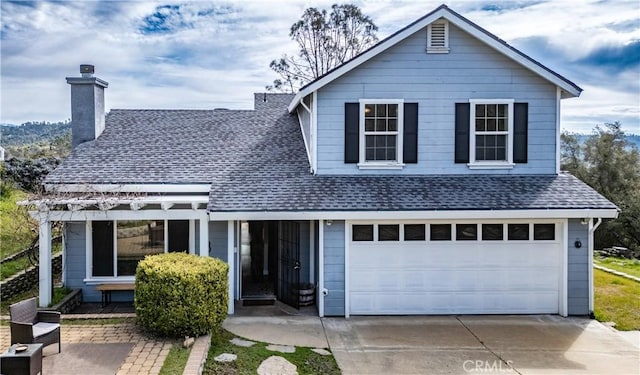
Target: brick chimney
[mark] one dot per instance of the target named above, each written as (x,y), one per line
(87,106)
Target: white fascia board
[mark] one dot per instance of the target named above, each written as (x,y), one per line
(128,188)
(571,90)
(516,56)
(162,200)
(414,215)
(187,214)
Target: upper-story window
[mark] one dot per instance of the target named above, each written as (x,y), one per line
(492,132)
(381,133)
(382,122)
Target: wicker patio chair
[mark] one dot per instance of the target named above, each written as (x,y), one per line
(28,325)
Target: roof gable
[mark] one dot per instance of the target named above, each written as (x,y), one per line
(569,89)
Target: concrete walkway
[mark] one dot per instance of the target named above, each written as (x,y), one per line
(290,330)
(537,344)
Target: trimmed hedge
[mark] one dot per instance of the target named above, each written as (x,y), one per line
(178,294)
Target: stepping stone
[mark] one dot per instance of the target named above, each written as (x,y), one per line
(277,365)
(226,357)
(321,351)
(240,342)
(282,348)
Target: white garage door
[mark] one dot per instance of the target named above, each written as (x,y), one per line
(454,276)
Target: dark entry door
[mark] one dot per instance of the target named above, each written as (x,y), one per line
(289,265)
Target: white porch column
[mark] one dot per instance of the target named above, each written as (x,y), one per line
(192,236)
(204,237)
(231,254)
(44,277)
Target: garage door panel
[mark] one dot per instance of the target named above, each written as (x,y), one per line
(454,278)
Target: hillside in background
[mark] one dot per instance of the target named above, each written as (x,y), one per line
(43,139)
(32,132)
(33,140)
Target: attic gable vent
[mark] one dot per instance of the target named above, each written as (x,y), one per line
(438,37)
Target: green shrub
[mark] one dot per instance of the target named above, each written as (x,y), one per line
(178,294)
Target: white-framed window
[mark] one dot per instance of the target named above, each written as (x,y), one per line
(491,135)
(381,126)
(117,246)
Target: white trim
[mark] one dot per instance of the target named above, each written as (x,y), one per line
(45,270)
(314,132)
(362,133)
(563,308)
(347,237)
(380,165)
(592,230)
(491,164)
(136,203)
(304,138)
(231,263)
(108,279)
(321,268)
(312,251)
(237,257)
(185,214)
(192,236)
(88,245)
(414,215)
(204,238)
(558,98)
(442,12)
(129,188)
(64,253)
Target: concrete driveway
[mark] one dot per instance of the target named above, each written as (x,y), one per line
(480,345)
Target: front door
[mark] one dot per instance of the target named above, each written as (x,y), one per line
(289,263)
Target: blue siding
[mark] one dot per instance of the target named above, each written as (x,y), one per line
(436,82)
(334,268)
(305,256)
(578,277)
(218,240)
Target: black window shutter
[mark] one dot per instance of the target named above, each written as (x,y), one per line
(462,132)
(410,133)
(520,130)
(351,132)
(102,240)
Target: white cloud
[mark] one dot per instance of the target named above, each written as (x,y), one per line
(218,59)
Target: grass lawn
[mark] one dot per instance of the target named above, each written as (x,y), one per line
(249,359)
(628,266)
(617,300)
(176,360)
(15,224)
(13,267)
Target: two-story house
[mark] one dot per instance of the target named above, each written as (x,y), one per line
(420,177)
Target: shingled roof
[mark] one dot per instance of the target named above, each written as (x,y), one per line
(255,160)
(175,146)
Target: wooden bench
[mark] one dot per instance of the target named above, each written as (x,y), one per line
(106,290)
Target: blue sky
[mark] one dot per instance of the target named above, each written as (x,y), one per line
(216,54)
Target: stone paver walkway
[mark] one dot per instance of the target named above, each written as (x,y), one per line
(146,357)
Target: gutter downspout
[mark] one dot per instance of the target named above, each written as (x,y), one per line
(592,229)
